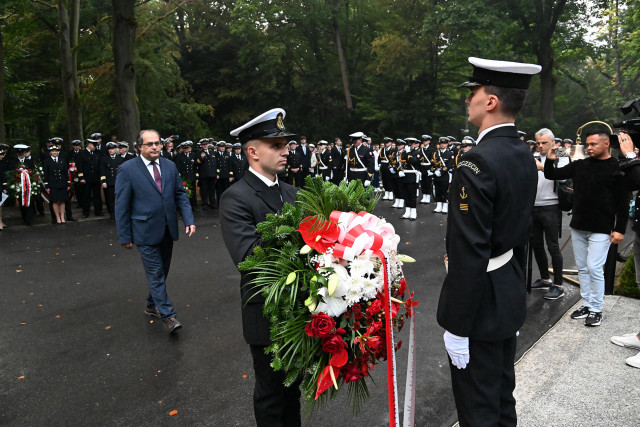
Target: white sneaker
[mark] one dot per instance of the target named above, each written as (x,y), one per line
(438,208)
(445,208)
(407,213)
(424,199)
(428,199)
(634,361)
(395,204)
(627,340)
(386,196)
(413,214)
(390,195)
(401,205)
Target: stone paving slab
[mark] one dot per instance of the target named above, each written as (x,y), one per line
(575,376)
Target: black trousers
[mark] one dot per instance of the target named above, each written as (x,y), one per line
(546,226)
(110,199)
(221,185)
(409,190)
(483,391)
(386,177)
(208,191)
(27,212)
(442,188)
(338,175)
(91,191)
(427,182)
(362,176)
(274,404)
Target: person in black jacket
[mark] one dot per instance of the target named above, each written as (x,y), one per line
(239,163)
(89,175)
(384,157)
(209,172)
(242,207)
(224,165)
(56,182)
(123,149)
(109,166)
(426,156)
(599,217)
(359,160)
(410,171)
(337,162)
(483,299)
(186,164)
(441,166)
(305,154)
(294,165)
(27,210)
(4,167)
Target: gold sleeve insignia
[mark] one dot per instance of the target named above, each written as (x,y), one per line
(467,164)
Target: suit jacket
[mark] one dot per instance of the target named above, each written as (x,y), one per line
(141,210)
(337,158)
(490,211)
(305,159)
(242,207)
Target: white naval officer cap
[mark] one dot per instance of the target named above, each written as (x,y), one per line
(489,72)
(357,135)
(269,124)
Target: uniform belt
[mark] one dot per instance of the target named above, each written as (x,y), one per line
(497,262)
(384,161)
(323,167)
(357,169)
(425,164)
(409,171)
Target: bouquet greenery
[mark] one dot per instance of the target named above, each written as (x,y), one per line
(322,269)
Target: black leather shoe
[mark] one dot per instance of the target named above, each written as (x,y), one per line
(173,325)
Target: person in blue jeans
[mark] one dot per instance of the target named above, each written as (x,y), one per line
(600,213)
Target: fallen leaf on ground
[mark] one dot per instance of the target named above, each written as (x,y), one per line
(18,271)
(244,376)
(40,305)
(21,377)
(159,401)
(108,327)
(30,293)
(58,316)
(23,324)
(172,413)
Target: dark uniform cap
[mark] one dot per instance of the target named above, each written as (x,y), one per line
(112,144)
(501,73)
(237,145)
(203,141)
(557,140)
(531,141)
(95,135)
(387,139)
(76,142)
(401,141)
(267,125)
(456,142)
(123,144)
(4,146)
(451,138)
(443,140)
(426,137)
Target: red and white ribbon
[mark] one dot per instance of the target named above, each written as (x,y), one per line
(361,232)
(25,188)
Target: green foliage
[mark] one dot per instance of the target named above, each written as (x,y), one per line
(626,285)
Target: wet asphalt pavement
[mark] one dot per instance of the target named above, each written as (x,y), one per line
(76,348)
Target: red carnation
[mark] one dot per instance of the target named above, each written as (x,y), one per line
(374,308)
(321,325)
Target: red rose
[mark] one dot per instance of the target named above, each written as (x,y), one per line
(333,343)
(321,325)
(374,308)
(351,372)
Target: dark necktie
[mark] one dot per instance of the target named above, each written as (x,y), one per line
(156,176)
(275,188)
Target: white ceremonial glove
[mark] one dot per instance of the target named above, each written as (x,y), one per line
(401,174)
(517,333)
(429,173)
(458,349)
(392,170)
(438,173)
(367,183)
(327,178)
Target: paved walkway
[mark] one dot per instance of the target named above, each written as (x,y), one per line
(575,376)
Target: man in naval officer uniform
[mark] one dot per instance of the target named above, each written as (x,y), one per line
(359,160)
(425,155)
(242,207)
(109,166)
(482,302)
(385,156)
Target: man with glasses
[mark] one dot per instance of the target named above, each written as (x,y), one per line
(149,193)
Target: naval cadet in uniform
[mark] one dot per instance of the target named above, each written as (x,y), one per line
(359,160)
(410,173)
(483,299)
(441,165)
(395,167)
(109,165)
(242,207)
(89,175)
(323,165)
(56,182)
(425,155)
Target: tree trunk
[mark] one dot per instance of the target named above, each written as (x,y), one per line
(124,35)
(2,130)
(547,82)
(343,66)
(69,65)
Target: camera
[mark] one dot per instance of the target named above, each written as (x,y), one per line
(630,126)
(175,137)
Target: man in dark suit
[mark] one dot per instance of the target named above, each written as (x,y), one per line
(243,206)
(149,193)
(337,162)
(482,303)
(305,160)
(109,166)
(208,173)
(89,175)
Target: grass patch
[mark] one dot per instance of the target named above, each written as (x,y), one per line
(626,284)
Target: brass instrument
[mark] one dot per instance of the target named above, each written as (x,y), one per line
(577,151)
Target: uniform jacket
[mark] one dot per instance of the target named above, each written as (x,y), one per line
(443,161)
(365,155)
(207,165)
(337,158)
(238,166)
(56,174)
(224,165)
(109,168)
(186,165)
(242,207)
(490,211)
(89,166)
(141,210)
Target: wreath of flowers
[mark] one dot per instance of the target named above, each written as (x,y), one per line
(324,289)
(14,181)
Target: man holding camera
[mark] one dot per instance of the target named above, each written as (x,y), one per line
(600,212)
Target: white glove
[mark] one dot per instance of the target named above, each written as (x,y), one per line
(458,349)
(367,183)
(438,173)
(401,174)
(327,178)
(392,170)
(429,173)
